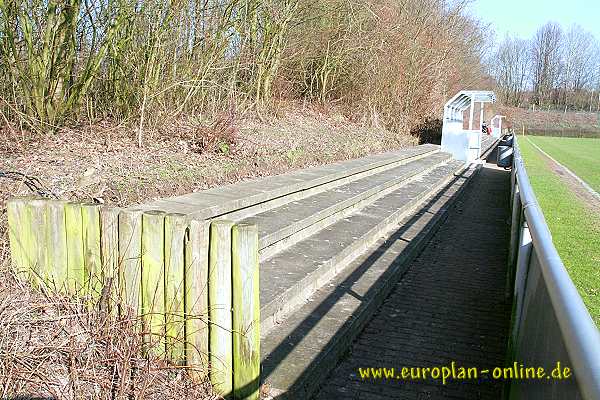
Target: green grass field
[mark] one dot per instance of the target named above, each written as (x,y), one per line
(575,227)
(580,155)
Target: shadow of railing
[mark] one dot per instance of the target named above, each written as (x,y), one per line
(383,284)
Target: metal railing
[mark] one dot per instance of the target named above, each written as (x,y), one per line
(550,322)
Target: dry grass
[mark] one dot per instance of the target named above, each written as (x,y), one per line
(52,347)
(104,162)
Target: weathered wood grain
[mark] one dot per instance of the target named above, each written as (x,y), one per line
(130,261)
(56,245)
(153,280)
(196,319)
(175,231)
(246,312)
(219,297)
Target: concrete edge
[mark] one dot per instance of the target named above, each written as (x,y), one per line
(280,240)
(223,200)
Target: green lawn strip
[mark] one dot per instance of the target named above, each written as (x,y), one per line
(580,155)
(575,228)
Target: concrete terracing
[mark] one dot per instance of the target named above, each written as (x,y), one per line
(266,191)
(449,306)
(326,261)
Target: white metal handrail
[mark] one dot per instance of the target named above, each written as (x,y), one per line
(579,333)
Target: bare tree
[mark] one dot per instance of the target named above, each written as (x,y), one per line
(579,66)
(546,61)
(511,69)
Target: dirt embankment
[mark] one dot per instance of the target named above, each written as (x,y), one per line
(552,122)
(105,162)
(52,347)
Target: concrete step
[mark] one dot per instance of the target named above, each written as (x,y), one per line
(298,353)
(244,199)
(290,223)
(293,275)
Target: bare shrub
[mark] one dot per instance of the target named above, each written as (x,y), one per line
(390,63)
(150,62)
(220,137)
(54,347)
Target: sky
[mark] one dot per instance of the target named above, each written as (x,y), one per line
(523,17)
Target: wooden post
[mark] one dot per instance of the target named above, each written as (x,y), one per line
(36,251)
(56,244)
(196,304)
(90,214)
(219,297)
(18,235)
(153,279)
(246,312)
(75,254)
(109,251)
(130,259)
(175,229)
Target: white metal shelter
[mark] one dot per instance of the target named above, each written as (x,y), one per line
(496,124)
(464,144)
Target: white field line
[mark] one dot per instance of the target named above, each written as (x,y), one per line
(568,171)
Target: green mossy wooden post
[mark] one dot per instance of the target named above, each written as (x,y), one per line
(36,213)
(130,259)
(91,249)
(56,245)
(153,279)
(109,250)
(75,252)
(219,297)
(18,234)
(175,229)
(246,312)
(196,304)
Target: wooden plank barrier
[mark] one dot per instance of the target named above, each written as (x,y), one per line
(192,283)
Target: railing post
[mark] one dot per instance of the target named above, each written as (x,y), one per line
(523,257)
(522,270)
(515,226)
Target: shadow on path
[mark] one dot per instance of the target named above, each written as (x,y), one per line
(448,307)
